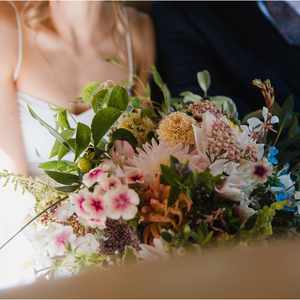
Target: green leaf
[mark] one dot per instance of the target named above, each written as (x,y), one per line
(63,178)
(148,112)
(62,119)
(89,91)
(163,87)
(59,166)
(83,138)
(135,102)
(124,135)
(68,188)
(100,99)
(226,105)
(57,147)
(286,115)
(118,98)
(190,97)
(204,81)
(51,130)
(103,121)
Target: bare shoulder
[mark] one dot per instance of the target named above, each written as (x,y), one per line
(8,38)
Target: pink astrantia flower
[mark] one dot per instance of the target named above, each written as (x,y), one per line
(94,176)
(121,203)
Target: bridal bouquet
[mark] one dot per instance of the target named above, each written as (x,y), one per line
(148,180)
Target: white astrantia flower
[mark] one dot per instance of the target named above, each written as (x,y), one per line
(256,124)
(121,203)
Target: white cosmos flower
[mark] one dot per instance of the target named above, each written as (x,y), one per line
(256,124)
(121,203)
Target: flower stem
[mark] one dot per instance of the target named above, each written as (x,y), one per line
(30,222)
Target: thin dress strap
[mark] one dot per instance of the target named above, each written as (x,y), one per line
(20,41)
(131,70)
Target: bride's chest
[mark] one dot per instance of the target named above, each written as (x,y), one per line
(57,74)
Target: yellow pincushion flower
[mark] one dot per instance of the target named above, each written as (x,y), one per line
(138,125)
(176,128)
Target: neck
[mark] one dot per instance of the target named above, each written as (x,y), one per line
(78,21)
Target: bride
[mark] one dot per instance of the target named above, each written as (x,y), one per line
(49,50)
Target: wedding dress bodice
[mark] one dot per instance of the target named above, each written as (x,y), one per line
(37,140)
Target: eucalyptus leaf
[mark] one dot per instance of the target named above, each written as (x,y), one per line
(83,138)
(63,178)
(226,105)
(204,81)
(190,97)
(103,121)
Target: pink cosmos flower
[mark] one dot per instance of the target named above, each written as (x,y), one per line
(94,176)
(121,203)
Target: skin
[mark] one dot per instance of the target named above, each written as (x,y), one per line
(59,60)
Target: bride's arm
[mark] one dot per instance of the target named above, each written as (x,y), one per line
(12,154)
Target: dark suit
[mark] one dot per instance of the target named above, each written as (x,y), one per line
(234,41)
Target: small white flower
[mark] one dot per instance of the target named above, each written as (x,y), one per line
(87,244)
(121,203)
(155,252)
(60,237)
(256,124)
(65,211)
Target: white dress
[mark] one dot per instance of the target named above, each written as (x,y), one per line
(16,259)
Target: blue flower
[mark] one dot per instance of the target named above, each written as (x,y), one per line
(273,151)
(281,196)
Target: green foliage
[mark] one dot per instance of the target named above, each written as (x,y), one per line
(63,178)
(118,98)
(100,99)
(189,97)
(204,81)
(124,135)
(89,91)
(59,137)
(59,166)
(226,105)
(102,122)
(263,222)
(83,138)
(59,149)
(165,91)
